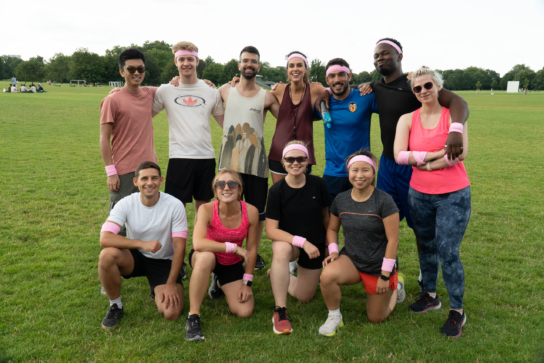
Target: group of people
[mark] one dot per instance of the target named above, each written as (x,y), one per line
(421,178)
(23,89)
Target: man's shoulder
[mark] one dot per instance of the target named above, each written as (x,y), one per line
(171,200)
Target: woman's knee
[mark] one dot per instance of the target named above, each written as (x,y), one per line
(242,311)
(376,317)
(281,250)
(328,276)
(172,314)
(204,261)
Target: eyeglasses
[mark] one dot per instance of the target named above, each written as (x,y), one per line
(299,159)
(428,86)
(252,61)
(140,70)
(231,183)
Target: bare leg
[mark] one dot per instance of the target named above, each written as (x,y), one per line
(304,285)
(379,307)
(203,264)
(170,313)
(113,263)
(240,309)
(279,271)
(339,272)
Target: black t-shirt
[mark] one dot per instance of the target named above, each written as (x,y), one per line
(394,100)
(365,240)
(300,211)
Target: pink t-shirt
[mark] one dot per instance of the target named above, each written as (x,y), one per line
(130,114)
(446,180)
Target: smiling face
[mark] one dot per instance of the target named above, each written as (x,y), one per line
(186,65)
(148,182)
(426,95)
(361,175)
(386,59)
(295,168)
(338,81)
(227,194)
(296,69)
(135,78)
(249,65)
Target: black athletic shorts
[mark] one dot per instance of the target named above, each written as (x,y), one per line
(276,168)
(314,263)
(255,192)
(188,178)
(156,270)
(336,185)
(225,273)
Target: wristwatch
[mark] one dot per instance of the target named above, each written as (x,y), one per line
(247,283)
(384,278)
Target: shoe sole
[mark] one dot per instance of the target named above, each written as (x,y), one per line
(198,337)
(285,332)
(109,327)
(460,329)
(434,307)
(335,330)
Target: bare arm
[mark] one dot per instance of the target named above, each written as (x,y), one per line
(402,138)
(332,237)
(326,218)
(200,242)
(109,239)
(177,261)
(459,113)
(391,225)
(252,239)
(272,104)
(113,181)
(276,234)
(219,119)
(441,163)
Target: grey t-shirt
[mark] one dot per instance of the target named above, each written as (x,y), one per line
(364,233)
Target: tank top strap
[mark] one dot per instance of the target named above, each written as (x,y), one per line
(216,221)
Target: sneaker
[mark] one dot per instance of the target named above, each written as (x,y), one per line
(111,320)
(454,325)
(259,265)
(281,322)
(215,291)
(192,328)
(102,290)
(424,303)
(331,325)
(183,270)
(401,288)
(293,267)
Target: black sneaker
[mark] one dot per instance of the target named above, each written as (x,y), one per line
(259,265)
(182,272)
(454,325)
(111,320)
(424,303)
(192,328)
(215,291)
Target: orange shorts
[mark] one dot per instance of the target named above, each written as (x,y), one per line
(370,282)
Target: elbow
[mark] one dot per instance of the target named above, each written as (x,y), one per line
(197,245)
(103,242)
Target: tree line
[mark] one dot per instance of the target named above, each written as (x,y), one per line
(160,69)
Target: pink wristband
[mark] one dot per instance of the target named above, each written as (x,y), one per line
(230,247)
(248,277)
(110,227)
(298,241)
(328,89)
(388,264)
(333,247)
(110,170)
(403,157)
(419,156)
(456,127)
(180,234)
(451,162)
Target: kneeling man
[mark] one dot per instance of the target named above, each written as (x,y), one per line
(155,245)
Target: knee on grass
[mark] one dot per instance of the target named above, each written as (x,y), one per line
(242,312)
(376,318)
(172,314)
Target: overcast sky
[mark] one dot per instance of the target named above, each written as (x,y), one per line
(440,34)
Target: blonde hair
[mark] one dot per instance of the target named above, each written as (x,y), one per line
(426,71)
(235,175)
(365,153)
(184,46)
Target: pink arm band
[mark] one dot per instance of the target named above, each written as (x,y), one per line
(403,157)
(419,156)
(110,227)
(456,127)
(180,234)
(388,264)
(230,247)
(248,277)
(328,89)
(451,162)
(298,241)
(110,170)
(333,247)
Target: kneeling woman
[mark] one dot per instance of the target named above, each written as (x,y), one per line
(296,220)
(370,220)
(220,229)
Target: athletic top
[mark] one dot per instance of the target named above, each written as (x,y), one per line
(365,240)
(350,130)
(219,233)
(295,122)
(300,210)
(189,107)
(394,100)
(243,148)
(155,223)
(446,180)
(132,127)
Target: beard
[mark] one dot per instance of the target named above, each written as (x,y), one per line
(341,92)
(385,71)
(249,76)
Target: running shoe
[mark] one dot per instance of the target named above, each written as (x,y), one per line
(281,322)
(293,267)
(215,291)
(454,325)
(401,288)
(425,303)
(193,331)
(259,265)
(331,326)
(182,272)
(111,320)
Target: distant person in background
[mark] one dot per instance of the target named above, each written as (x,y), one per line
(14,89)
(33,88)
(14,81)
(23,88)
(9,88)
(40,88)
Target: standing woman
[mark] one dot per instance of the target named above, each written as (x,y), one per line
(439,196)
(220,229)
(296,220)
(370,221)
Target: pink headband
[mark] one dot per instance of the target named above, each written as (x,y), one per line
(297,55)
(391,44)
(364,158)
(337,68)
(294,147)
(185,52)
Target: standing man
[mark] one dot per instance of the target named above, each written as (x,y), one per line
(154,248)
(14,82)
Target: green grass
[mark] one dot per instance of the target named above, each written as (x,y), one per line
(54,200)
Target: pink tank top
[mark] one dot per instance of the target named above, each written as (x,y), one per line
(446,180)
(219,233)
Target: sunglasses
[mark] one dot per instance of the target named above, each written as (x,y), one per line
(428,86)
(299,159)
(231,183)
(132,70)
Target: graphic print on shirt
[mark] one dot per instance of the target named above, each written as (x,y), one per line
(243,150)
(190,101)
(352,106)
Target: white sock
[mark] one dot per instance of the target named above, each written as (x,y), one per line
(420,278)
(118,302)
(335,312)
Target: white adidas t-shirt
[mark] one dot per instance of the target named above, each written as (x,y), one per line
(189,107)
(151,223)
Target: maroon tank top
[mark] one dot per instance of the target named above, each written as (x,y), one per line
(295,122)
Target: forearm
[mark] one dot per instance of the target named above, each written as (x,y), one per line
(250,265)
(457,105)
(439,163)
(108,239)
(332,236)
(177,262)
(207,245)
(105,150)
(416,157)
(276,234)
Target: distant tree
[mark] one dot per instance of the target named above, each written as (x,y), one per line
(213,73)
(494,84)
(200,69)
(87,65)
(2,75)
(538,81)
(375,76)
(362,77)
(168,72)
(230,69)
(526,83)
(478,85)
(318,72)
(525,74)
(209,60)
(115,51)
(10,63)
(58,68)
(31,70)
(152,70)
(158,45)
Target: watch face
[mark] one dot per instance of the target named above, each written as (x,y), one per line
(247,283)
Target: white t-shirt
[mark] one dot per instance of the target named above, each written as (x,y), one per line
(23,89)
(151,223)
(189,107)
(33,89)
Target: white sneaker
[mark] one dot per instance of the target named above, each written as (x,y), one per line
(401,293)
(293,267)
(102,291)
(331,325)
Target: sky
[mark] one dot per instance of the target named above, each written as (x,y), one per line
(439,34)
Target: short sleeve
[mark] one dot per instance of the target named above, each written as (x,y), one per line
(334,207)
(273,204)
(119,213)
(179,218)
(387,205)
(108,110)
(158,102)
(218,108)
(316,112)
(325,196)
(374,105)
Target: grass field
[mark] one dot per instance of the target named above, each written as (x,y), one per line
(54,200)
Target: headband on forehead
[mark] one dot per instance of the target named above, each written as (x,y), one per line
(337,68)
(294,147)
(364,158)
(298,55)
(185,52)
(391,44)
